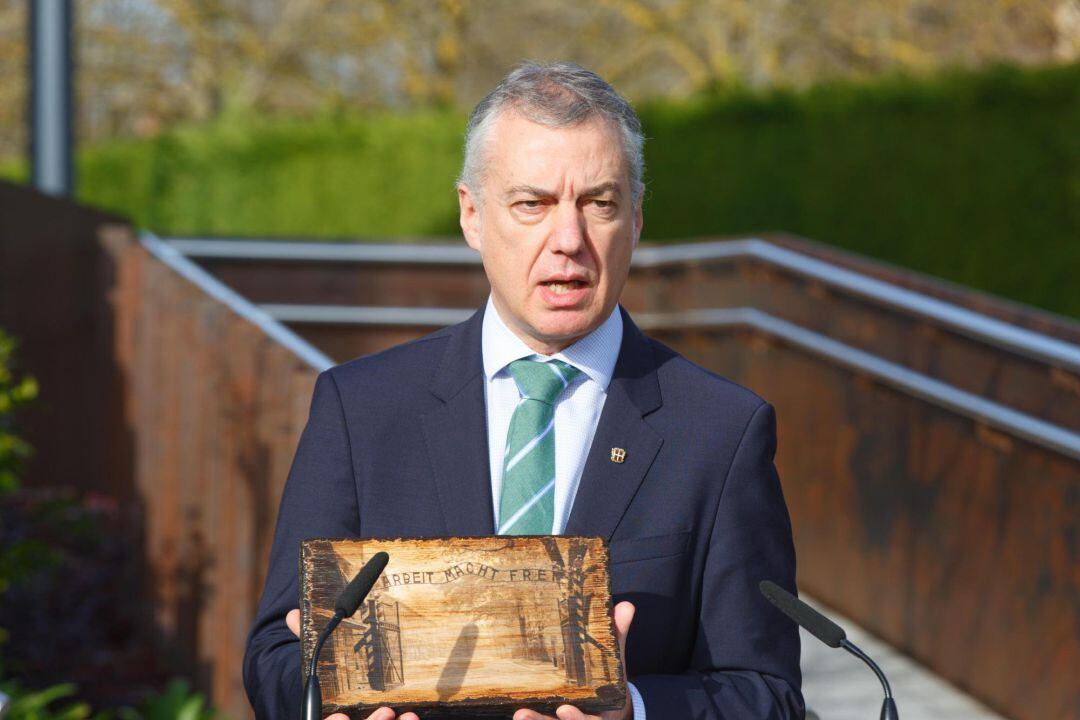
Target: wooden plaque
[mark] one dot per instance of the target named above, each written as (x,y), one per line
(465,627)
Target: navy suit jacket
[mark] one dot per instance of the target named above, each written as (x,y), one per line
(396,444)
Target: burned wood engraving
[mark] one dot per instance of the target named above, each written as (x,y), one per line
(467,627)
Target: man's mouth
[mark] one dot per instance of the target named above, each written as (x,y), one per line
(560,287)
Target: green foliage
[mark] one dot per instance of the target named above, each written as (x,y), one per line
(177,702)
(15,557)
(973,177)
(18,558)
(58,702)
(14,393)
(970,177)
(16,171)
(45,704)
(337,175)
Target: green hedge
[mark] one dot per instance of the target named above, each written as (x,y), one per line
(333,176)
(974,177)
(970,177)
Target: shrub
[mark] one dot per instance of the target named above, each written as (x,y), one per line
(970,176)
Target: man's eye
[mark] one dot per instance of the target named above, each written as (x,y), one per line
(529,205)
(605,206)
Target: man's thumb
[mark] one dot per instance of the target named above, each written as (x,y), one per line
(624,615)
(293,621)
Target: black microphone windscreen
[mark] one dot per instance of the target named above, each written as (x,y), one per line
(355,592)
(815,623)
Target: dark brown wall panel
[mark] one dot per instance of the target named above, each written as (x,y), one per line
(956,543)
(54,286)
(219,407)
(1032,386)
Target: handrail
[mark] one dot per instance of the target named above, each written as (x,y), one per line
(369,252)
(366,315)
(234,301)
(889,373)
(966,322)
(897,376)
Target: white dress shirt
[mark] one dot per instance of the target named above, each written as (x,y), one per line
(577,410)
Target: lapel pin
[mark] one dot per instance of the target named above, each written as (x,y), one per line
(618,455)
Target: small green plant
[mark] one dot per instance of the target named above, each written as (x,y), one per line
(54,702)
(59,702)
(14,393)
(45,704)
(176,702)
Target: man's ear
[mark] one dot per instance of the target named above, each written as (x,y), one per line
(469,216)
(639,222)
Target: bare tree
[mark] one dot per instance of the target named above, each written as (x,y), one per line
(146,64)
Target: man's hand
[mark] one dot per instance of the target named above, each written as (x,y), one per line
(624,615)
(383,713)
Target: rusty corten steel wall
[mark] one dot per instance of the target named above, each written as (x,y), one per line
(951,540)
(1031,386)
(342,342)
(219,407)
(352,284)
(1025,316)
(1024,384)
(162,397)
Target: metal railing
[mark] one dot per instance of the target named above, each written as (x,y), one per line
(175,258)
(961,320)
(898,377)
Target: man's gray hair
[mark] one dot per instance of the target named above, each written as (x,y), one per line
(557,95)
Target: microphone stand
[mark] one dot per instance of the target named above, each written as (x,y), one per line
(312,708)
(827,632)
(348,602)
(888,706)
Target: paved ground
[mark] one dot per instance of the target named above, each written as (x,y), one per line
(839,686)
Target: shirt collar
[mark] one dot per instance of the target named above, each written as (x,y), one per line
(595,354)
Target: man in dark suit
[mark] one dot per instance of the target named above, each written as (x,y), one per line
(550,412)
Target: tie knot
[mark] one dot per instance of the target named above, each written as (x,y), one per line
(543,381)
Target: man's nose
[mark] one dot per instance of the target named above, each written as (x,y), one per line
(568,233)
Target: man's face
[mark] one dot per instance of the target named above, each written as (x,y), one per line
(555,228)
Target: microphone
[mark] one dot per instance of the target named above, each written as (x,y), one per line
(827,632)
(346,605)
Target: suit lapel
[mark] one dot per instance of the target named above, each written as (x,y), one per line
(456,434)
(607,487)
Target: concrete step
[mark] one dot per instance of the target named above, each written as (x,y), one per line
(839,686)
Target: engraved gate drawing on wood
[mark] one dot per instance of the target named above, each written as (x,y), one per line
(381,645)
(574,613)
(368,647)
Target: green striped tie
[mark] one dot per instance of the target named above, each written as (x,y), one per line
(527,505)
